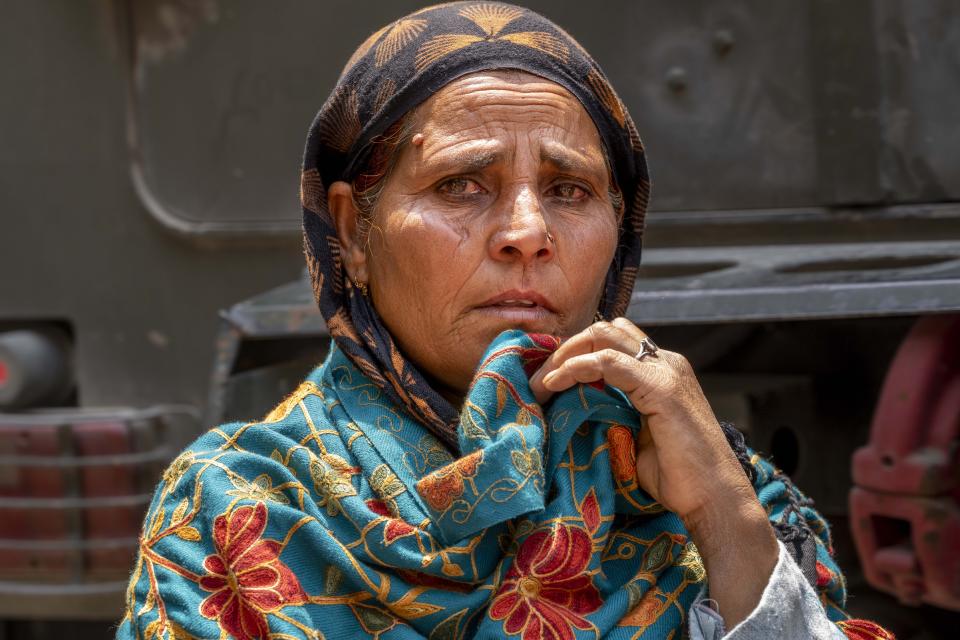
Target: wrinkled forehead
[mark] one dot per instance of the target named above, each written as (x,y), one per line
(490,108)
(511,93)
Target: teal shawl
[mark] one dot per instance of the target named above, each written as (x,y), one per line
(339,516)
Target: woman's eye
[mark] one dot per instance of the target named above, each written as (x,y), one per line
(569,191)
(460,187)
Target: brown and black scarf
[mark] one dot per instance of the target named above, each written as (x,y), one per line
(393,71)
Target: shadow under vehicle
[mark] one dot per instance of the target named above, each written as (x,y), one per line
(803,252)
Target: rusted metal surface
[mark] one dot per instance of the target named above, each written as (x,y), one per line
(905,509)
(73,489)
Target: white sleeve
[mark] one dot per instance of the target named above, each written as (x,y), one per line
(789,609)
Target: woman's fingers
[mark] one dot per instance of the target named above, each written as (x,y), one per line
(621,334)
(629,328)
(638,379)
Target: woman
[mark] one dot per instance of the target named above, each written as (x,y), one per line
(473,192)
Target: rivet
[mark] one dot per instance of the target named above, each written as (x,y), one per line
(723,41)
(676,78)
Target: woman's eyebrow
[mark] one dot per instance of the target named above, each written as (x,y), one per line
(466,159)
(569,161)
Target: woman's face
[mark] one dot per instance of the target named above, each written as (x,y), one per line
(495,216)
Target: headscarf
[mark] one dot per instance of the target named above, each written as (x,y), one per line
(394,70)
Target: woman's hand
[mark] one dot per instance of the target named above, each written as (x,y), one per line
(683,459)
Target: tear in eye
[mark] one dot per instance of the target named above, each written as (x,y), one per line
(569,191)
(460,187)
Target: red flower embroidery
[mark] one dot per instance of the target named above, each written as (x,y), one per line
(533,357)
(544,344)
(590,509)
(864,630)
(445,485)
(546,592)
(395,527)
(246,575)
(824,575)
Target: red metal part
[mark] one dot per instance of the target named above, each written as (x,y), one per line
(904,507)
(74,484)
(50,501)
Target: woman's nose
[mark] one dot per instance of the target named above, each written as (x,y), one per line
(523,233)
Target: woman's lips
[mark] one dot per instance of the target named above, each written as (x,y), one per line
(520,298)
(518,307)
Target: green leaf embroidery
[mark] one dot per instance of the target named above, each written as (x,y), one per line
(332,580)
(372,619)
(331,479)
(520,461)
(523,528)
(386,483)
(634,593)
(657,556)
(436,455)
(260,489)
(527,462)
(693,564)
(473,431)
(449,628)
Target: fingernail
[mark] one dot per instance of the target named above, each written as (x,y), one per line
(547,378)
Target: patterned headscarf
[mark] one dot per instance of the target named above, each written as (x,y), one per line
(394,70)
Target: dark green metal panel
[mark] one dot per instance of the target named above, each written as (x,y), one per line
(745,104)
(721,95)
(918,55)
(77,244)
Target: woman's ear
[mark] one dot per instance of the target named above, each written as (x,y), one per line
(344,211)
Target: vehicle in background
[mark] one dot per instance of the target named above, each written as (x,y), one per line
(803,251)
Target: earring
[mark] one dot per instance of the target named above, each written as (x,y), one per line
(362,286)
(598,317)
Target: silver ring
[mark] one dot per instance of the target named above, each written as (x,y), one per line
(647,348)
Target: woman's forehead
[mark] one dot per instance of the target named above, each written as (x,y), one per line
(485,110)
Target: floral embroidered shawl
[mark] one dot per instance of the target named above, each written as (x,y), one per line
(339,516)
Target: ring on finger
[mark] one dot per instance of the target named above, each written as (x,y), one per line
(647,348)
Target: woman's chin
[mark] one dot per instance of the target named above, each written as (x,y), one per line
(529,319)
